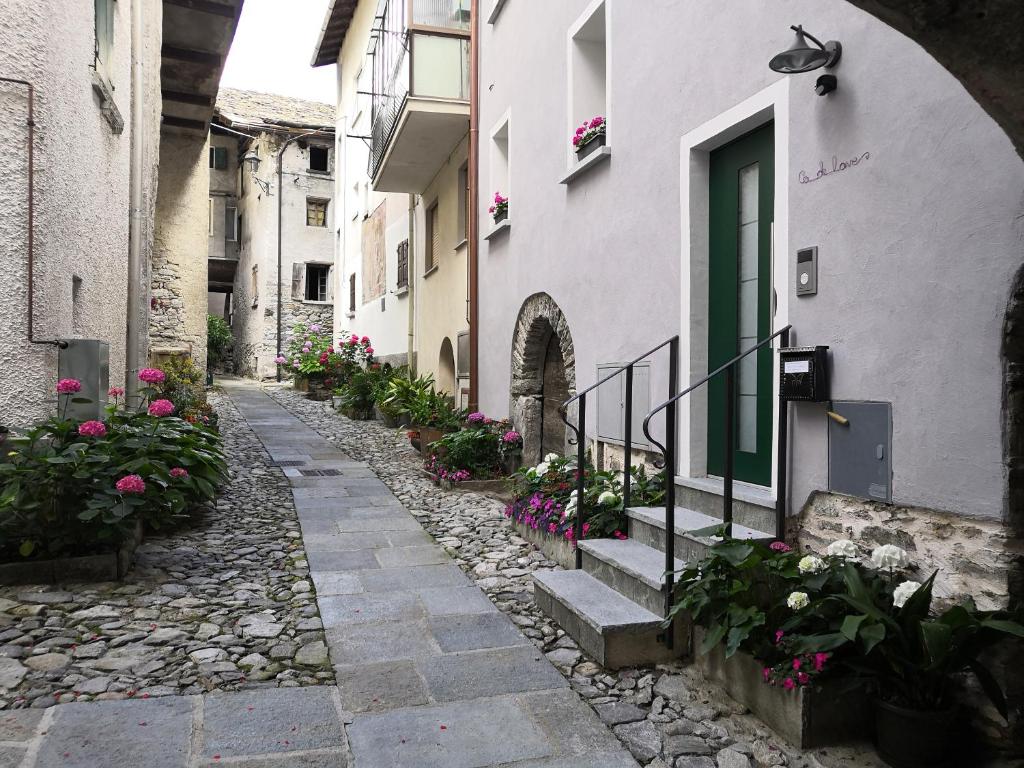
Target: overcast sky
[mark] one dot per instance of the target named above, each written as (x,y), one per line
(273,47)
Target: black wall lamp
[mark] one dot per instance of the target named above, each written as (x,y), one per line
(801,57)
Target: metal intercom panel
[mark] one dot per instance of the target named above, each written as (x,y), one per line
(807,271)
(860,451)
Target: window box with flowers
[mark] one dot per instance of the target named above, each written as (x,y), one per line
(591,135)
(499,210)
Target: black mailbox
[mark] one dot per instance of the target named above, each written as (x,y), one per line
(803,374)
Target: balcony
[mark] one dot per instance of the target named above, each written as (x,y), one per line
(419,53)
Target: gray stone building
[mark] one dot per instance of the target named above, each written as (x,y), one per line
(252,136)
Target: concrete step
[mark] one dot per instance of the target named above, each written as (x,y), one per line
(607,625)
(647,526)
(752,505)
(630,568)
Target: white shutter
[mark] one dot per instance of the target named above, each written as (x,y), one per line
(298,282)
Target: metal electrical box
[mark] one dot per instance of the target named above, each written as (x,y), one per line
(807,271)
(860,451)
(803,374)
(87,360)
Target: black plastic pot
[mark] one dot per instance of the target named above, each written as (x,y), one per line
(914,738)
(591,146)
(501,215)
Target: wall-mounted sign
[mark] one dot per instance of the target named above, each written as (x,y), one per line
(837,165)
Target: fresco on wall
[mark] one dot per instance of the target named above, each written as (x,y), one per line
(373,255)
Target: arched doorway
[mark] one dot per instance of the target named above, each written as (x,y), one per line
(543,376)
(446,381)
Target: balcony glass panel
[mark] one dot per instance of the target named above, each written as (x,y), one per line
(445,14)
(440,67)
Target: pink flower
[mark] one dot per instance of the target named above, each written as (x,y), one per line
(92,429)
(476,417)
(766,674)
(491,209)
(597,122)
(511,437)
(366,339)
(797,664)
(115,392)
(803,678)
(130,484)
(161,408)
(152,375)
(778,636)
(369,350)
(280,360)
(179,473)
(780,546)
(620,535)
(353,341)
(819,661)
(586,528)
(68,386)
(575,140)
(581,130)
(788,684)
(552,527)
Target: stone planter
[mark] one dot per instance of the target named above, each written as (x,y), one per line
(591,146)
(357,415)
(110,566)
(428,435)
(808,717)
(336,402)
(558,549)
(910,738)
(511,462)
(391,421)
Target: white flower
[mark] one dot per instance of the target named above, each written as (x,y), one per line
(551,457)
(810,564)
(607,498)
(843,548)
(542,468)
(902,593)
(798,600)
(890,556)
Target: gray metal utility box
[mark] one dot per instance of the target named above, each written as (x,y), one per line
(860,451)
(87,360)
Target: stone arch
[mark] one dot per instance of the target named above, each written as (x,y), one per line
(446,381)
(543,375)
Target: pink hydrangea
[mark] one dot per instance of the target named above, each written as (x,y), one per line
(92,428)
(179,473)
(152,375)
(130,484)
(780,546)
(161,408)
(476,418)
(511,437)
(315,328)
(280,359)
(69,386)
(115,392)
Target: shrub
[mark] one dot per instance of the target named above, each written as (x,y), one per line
(218,341)
(184,385)
(470,453)
(311,353)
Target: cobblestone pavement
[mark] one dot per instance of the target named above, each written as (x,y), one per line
(666,715)
(225,604)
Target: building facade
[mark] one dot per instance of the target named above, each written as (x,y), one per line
(403,181)
(719,184)
(246,200)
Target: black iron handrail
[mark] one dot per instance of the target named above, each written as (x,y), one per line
(581,424)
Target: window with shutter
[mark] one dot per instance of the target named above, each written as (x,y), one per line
(316,212)
(104,35)
(316,282)
(430,259)
(464,201)
(352,292)
(403,264)
(231,223)
(298,280)
(219,158)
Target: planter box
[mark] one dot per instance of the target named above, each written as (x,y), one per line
(357,415)
(557,549)
(390,421)
(585,149)
(501,215)
(111,566)
(808,717)
(428,435)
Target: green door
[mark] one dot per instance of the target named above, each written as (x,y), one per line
(740,302)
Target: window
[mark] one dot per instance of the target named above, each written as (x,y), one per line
(499,170)
(317,282)
(209,218)
(352,293)
(316,212)
(318,159)
(219,158)
(464,200)
(254,286)
(462,347)
(231,223)
(433,244)
(77,314)
(588,69)
(403,264)
(104,34)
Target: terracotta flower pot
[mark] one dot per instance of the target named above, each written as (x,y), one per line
(914,738)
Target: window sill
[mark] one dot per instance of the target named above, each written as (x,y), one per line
(430,271)
(402,291)
(318,303)
(493,17)
(460,244)
(584,165)
(502,226)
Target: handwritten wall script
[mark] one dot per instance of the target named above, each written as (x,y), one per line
(837,166)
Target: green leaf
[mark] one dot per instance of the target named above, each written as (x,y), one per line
(1001,625)
(712,637)
(27,548)
(989,685)
(850,626)
(937,638)
(872,635)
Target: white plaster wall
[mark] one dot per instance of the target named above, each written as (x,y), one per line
(81,195)
(917,245)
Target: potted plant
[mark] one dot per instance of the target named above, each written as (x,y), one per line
(589,136)
(510,449)
(914,658)
(356,395)
(499,211)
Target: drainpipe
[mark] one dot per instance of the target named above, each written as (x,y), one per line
(136,311)
(30,122)
(474,203)
(411,280)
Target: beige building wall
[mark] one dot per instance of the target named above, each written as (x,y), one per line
(81,189)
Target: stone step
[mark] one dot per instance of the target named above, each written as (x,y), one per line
(607,625)
(630,568)
(647,526)
(752,505)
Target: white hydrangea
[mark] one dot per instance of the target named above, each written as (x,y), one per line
(570,507)
(890,556)
(551,457)
(810,564)
(541,469)
(902,593)
(843,548)
(798,600)
(607,498)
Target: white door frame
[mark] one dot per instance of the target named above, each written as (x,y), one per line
(768,105)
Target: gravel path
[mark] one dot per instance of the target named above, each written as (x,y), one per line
(666,716)
(223,605)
